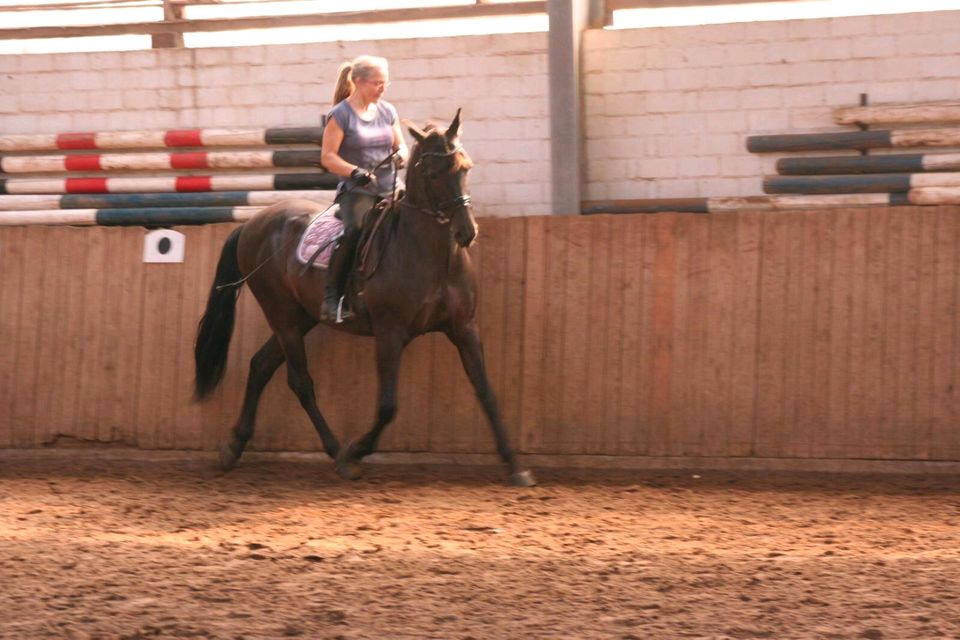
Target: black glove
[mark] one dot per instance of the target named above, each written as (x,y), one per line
(361,177)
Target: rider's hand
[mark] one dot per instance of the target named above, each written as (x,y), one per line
(361,177)
(398,162)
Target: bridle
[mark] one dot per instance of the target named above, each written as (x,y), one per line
(438,210)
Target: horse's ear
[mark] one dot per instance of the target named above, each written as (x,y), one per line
(414,130)
(454,127)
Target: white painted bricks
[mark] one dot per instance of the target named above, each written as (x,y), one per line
(499,81)
(696,93)
(667,110)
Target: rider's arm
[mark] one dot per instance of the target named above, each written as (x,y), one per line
(329,150)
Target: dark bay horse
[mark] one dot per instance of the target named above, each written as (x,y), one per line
(423,281)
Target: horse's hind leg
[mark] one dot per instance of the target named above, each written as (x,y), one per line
(467,341)
(389,350)
(300,381)
(284,345)
(262,367)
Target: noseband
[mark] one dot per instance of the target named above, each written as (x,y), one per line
(439,210)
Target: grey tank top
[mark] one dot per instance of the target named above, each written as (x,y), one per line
(366,144)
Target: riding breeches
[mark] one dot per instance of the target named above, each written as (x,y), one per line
(354,208)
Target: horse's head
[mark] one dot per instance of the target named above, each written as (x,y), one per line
(437,179)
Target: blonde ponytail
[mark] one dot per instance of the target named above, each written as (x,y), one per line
(345,84)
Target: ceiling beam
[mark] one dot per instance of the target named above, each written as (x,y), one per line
(274,22)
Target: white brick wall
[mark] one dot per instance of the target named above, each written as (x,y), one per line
(668,110)
(500,81)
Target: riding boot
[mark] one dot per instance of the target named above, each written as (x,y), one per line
(336,276)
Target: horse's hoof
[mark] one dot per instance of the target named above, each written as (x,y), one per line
(228,459)
(349,470)
(346,464)
(523,479)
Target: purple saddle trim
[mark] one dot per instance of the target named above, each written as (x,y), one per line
(321,231)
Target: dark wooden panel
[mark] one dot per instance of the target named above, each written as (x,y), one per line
(28,337)
(746,325)
(828,334)
(13,264)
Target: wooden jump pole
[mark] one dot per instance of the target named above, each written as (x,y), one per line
(160,161)
(919,196)
(748,203)
(899,113)
(135,200)
(172,184)
(870,183)
(900,163)
(162,139)
(128,217)
(854,140)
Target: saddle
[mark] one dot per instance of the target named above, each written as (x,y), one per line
(320,238)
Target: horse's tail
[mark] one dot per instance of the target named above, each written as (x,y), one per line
(216,325)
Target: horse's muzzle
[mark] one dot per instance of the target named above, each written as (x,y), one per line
(465,237)
(464,227)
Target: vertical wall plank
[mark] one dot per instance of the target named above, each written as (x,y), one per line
(839,252)
(574,254)
(826,334)
(509,383)
(534,341)
(894,281)
(76,341)
(800,336)
(770,340)
(50,355)
(615,335)
(817,414)
(944,318)
(554,363)
(28,338)
(914,303)
(875,411)
(924,392)
(720,279)
(95,267)
(745,314)
(591,419)
(629,354)
(689,336)
(13,265)
(663,307)
(904,412)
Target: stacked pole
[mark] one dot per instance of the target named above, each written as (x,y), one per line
(840,181)
(915,178)
(158,178)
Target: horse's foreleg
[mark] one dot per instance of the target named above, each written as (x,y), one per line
(300,381)
(262,367)
(389,350)
(467,341)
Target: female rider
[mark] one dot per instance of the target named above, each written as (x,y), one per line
(362,130)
